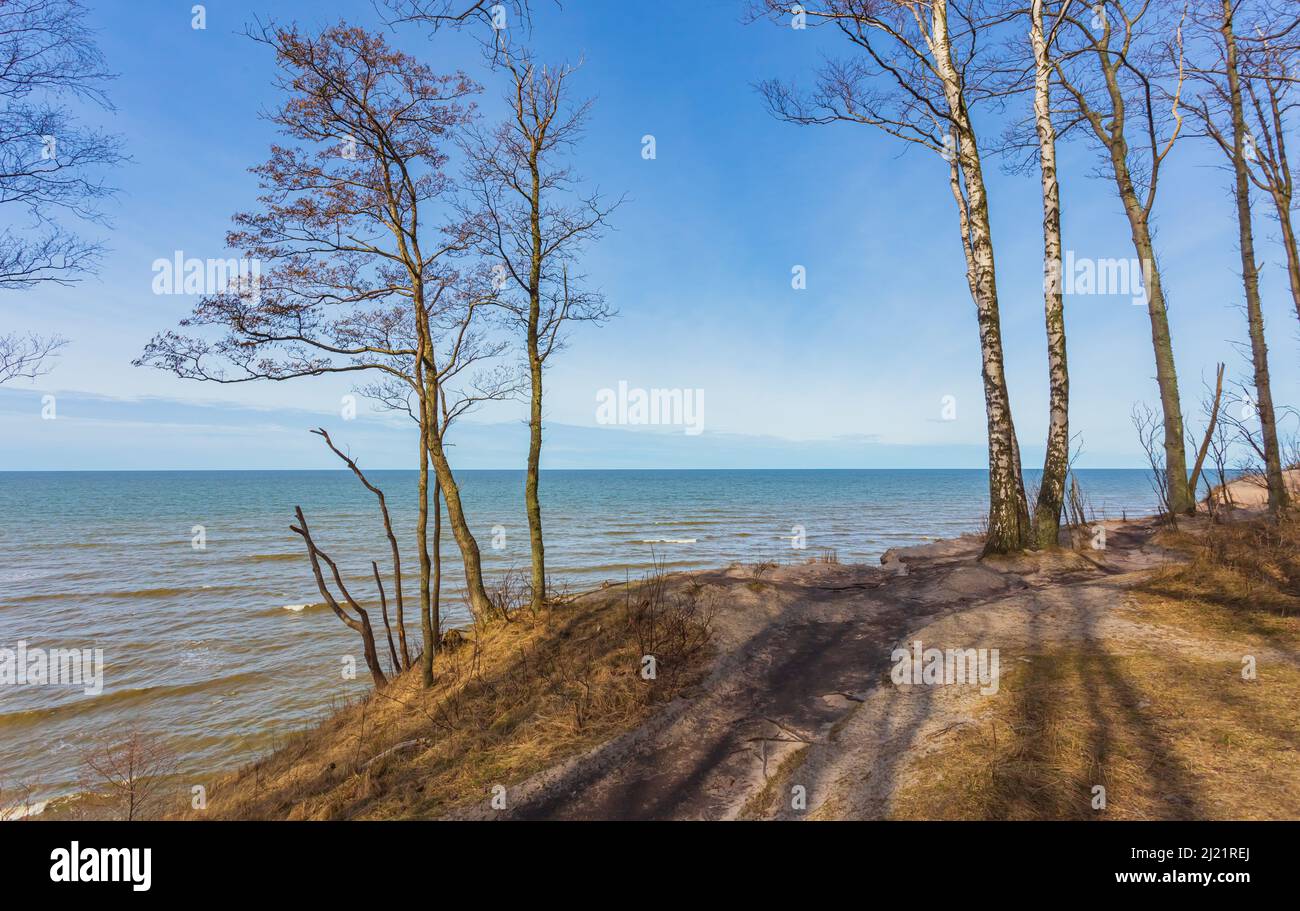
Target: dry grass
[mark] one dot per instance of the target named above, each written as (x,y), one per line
(514,699)
(1169,735)
(1242,577)
(1168,738)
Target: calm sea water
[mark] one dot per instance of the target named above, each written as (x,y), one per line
(198,645)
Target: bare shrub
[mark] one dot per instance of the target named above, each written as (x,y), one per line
(672,626)
(132,773)
(1150,430)
(16,802)
(510,592)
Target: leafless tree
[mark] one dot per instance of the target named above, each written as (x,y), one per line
(1220,110)
(1117,90)
(361,621)
(16,802)
(27,355)
(1215,446)
(455,13)
(51,165)
(1240,413)
(1148,427)
(133,771)
(908,78)
(405,660)
(1045,20)
(530,221)
(460,390)
(362,276)
(1210,408)
(1270,79)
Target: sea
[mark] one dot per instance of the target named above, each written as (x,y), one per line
(193,586)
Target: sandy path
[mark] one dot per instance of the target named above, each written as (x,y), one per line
(805,669)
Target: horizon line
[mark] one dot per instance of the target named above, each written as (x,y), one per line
(520,470)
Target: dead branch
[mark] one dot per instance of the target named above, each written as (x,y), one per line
(360,623)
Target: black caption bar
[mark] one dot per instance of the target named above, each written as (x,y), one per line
(136,861)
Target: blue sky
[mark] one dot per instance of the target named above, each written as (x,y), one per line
(850,372)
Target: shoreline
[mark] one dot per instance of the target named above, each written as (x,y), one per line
(764,599)
(797,685)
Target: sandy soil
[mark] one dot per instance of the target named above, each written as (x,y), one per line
(801,693)
(1252,492)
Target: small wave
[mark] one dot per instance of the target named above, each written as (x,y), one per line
(69,545)
(126,696)
(36,808)
(274,558)
(295,609)
(668,541)
(123,594)
(93,595)
(299,608)
(619,570)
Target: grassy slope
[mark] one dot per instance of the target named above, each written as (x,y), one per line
(514,699)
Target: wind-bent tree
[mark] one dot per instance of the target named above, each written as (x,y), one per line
(1110,65)
(50,164)
(362,276)
(1221,111)
(531,221)
(909,79)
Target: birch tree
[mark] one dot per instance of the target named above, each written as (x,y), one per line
(1056,462)
(909,79)
(1115,91)
(1221,111)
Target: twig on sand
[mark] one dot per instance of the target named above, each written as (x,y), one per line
(803,738)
